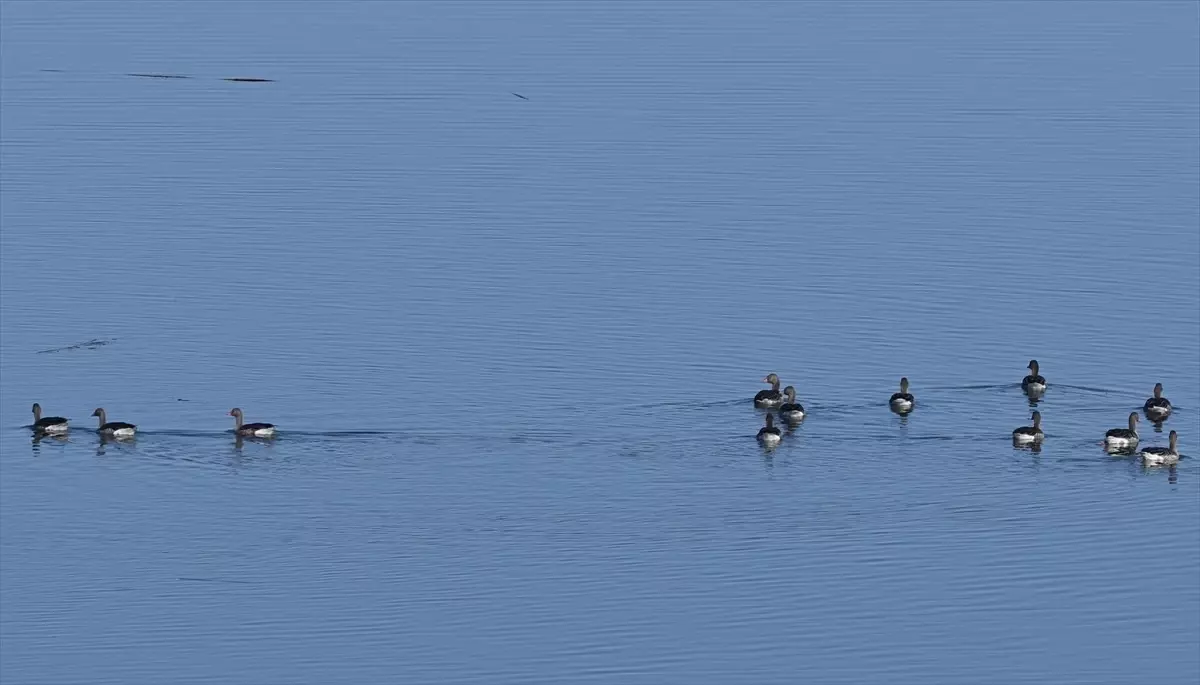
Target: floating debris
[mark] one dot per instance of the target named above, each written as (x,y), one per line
(520,96)
(238,79)
(88,345)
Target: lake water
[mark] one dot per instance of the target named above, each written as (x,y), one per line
(511,342)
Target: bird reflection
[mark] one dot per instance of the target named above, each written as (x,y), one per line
(48,438)
(106,440)
(1034,447)
(1120,451)
(1172,471)
(239,441)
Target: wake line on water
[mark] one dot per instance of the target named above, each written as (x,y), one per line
(816,404)
(550,437)
(1017,386)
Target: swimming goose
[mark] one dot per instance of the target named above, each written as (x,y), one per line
(258,430)
(1123,438)
(48,424)
(1034,383)
(1155,456)
(772,397)
(1030,434)
(791,411)
(1157,408)
(902,402)
(117,429)
(769,435)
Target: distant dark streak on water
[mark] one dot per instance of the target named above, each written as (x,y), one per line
(88,345)
(687,404)
(179,77)
(163,76)
(215,580)
(1017,386)
(810,405)
(1003,386)
(1085,388)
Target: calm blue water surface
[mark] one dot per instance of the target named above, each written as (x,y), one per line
(510,343)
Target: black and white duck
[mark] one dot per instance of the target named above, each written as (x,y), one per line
(1157,408)
(1034,383)
(256,430)
(769,398)
(53,425)
(115,429)
(1123,438)
(1160,456)
(902,402)
(1026,435)
(791,410)
(769,435)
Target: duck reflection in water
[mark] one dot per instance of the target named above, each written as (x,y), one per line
(107,440)
(239,441)
(48,439)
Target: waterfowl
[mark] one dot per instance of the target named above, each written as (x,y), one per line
(116,429)
(258,430)
(1028,434)
(1157,408)
(772,397)
(902,402)
(791,411)
(1034,383)
(47,424)
(1155,456)
(769,435)
(1123,437)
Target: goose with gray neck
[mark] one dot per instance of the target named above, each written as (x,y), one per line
(1160,456)
(769,398)
(791,411)
(1026,435)
(1123,438)
(1157,408)
(769,435)
(254,430)
(1034,383)
(115,429)
(902,402)
(52,425)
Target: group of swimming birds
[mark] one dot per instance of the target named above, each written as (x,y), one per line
(57,425)
(1117,440)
